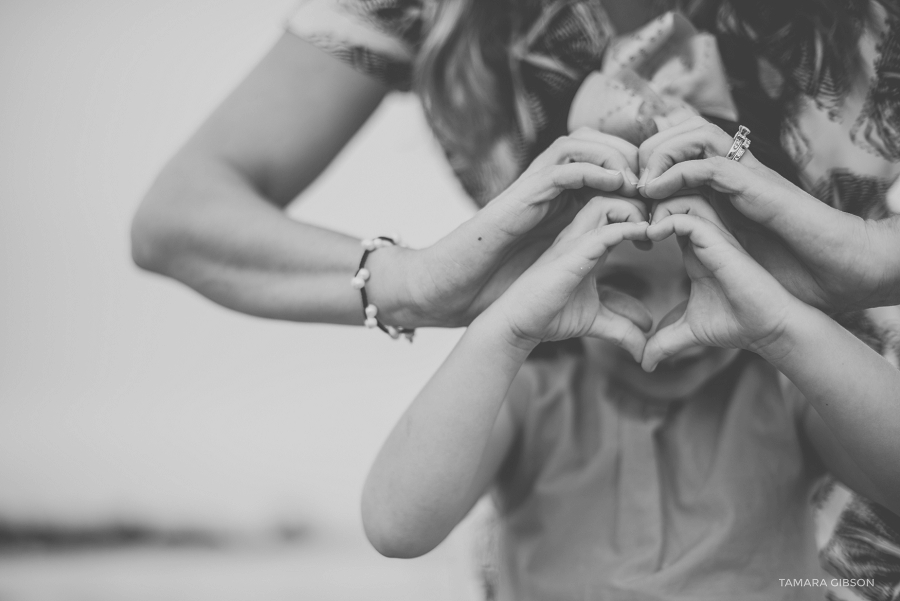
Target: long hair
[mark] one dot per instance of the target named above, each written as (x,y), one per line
(463,75)
(814,44)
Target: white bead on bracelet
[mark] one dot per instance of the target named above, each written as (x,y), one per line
(359,283)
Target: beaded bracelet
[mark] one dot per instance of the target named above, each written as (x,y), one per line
(370,311)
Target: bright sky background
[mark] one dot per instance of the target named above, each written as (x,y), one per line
(126,395)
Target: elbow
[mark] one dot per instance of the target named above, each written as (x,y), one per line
(391,545)
(155,229)
(147,248)
(390,534)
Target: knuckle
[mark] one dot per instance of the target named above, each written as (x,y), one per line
(710,128)
(584,130)
(561,142)
(556,175)
(719,163)
(555,147)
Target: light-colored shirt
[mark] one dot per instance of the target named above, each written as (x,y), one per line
(606,495)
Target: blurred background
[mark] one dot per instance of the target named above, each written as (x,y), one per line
(154,445)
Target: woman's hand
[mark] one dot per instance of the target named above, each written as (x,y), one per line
(734,302)
(451,282)
(825,257)
(558,298)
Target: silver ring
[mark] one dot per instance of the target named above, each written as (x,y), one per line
(740,144)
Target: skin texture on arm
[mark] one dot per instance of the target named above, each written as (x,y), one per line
(855,395)
(213,219)
(445,451)
(447,447)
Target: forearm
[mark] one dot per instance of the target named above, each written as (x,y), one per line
(860,256)
(207,227)
(854,390)
(437,460)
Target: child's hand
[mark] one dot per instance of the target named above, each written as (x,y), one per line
(557,298)
(825,257)
(734,302)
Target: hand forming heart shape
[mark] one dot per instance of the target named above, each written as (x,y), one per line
(733,303)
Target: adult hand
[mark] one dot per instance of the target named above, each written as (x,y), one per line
(451,282)
(558,298)
(829,259)
(734,302)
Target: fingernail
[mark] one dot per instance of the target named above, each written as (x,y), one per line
(631,177)
(612,171)
(643,181)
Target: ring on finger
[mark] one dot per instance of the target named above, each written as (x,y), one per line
(740,144)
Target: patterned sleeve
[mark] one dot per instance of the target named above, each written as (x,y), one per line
(378,37)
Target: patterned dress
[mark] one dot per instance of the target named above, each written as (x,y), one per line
(845,147)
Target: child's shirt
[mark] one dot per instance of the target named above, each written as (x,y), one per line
(608,496)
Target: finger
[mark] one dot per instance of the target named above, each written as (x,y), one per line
(628,150)
(718,251)
(620,331)
(687,205)
(577,150)
(600,211)
(596,243)
(649,145)
(700,143)
(666,342)
(627,306)
(717,172)
(581,254)
(702,233)
(593,147)
(759,195)
(551,181)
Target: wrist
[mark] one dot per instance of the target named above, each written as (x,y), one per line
(492,324)
(798,324)
(388,286)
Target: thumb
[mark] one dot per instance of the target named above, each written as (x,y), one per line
(667,341)
(619,330)
(625,305)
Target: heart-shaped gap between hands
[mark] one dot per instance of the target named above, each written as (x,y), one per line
(733,301)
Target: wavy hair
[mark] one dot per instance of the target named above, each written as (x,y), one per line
(813,44)
(464,79)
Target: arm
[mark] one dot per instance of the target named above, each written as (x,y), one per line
(855,397)
(214,220)
(445,451)
(447,447)
(824,256)
(735,303)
